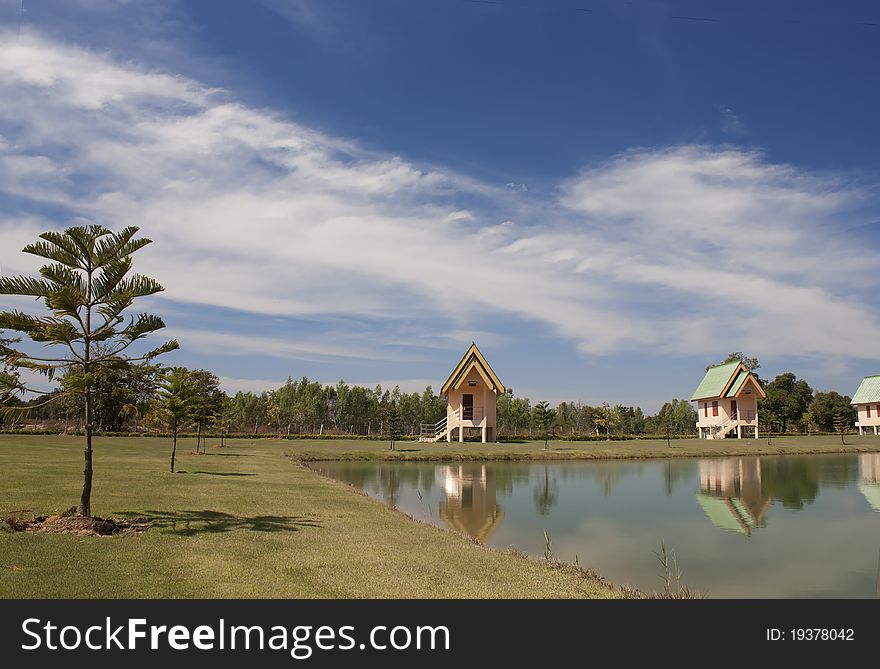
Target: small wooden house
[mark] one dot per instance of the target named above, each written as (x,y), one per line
(727,402)
(867,403)
(471,393)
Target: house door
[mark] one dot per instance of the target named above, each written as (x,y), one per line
(467,407)
(733,414)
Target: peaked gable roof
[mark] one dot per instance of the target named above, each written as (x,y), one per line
(472,359)
(725,380)
(869,390)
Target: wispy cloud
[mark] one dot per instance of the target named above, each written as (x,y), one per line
(689,249)
(731,122)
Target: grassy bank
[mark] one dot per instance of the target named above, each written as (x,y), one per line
(242,521)
(576,450)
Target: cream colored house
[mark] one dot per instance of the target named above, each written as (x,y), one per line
(471,392)
(727,402)
(867,403)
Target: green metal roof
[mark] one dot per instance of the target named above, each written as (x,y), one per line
(869,390)
(720,513)
(737,384)
(871,491)
(716,378)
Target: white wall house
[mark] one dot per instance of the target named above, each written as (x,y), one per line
(867,403)
(727,402)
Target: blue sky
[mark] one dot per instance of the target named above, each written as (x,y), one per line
(637,188)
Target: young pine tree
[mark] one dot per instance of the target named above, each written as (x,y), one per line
(87,289)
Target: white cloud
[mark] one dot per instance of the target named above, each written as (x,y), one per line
(231,386)
(731,122)
(688,249)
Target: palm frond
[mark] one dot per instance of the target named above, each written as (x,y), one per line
(52,249)
(118,246)
(25,285)
(62,331)
(61,275)
(13,414)
(144,325)
(22,322)
(167,347)
(114,304)
(83,238)
(66,302)
(112,272)
(139,285)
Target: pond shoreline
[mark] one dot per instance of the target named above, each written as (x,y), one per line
(705,510)
(534,451)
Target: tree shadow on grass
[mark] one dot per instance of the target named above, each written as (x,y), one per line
(233,455)
(191,523)
(221,473)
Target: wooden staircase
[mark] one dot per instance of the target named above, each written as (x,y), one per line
(721,431)
(429,432)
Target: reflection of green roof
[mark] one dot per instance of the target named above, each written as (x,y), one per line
(716,378)
(871,491)
(869,390)
(737,383)
(720,513)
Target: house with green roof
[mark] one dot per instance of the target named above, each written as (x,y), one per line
(867,403)
(727,402)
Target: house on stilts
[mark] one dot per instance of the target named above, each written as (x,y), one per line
(727,402)
(471,393)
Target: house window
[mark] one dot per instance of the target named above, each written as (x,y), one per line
(706,409)
(715,408)
(868,407)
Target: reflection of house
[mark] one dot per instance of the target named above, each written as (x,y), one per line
(867,403)
(731,493)
(471,392)
(869,468)
(470,505)
(727,401)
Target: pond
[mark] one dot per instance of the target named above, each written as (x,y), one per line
(783,526)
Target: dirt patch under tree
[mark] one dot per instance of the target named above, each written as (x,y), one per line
(70,522)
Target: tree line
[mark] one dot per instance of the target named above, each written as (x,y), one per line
(127,398)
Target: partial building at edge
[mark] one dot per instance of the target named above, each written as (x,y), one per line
(867,403)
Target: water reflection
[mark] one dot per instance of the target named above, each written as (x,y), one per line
(470,505)
(731,493)
(869,469)
(766,526)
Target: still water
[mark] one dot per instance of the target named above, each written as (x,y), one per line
(793,526)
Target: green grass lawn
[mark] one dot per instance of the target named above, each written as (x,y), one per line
(242,521)
(250,521)
(575,450)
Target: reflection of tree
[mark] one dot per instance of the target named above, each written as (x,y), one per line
(792,481)
(673,472)
(545,494)
(508,474)
(838,471)
(389,483)
(607,475)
